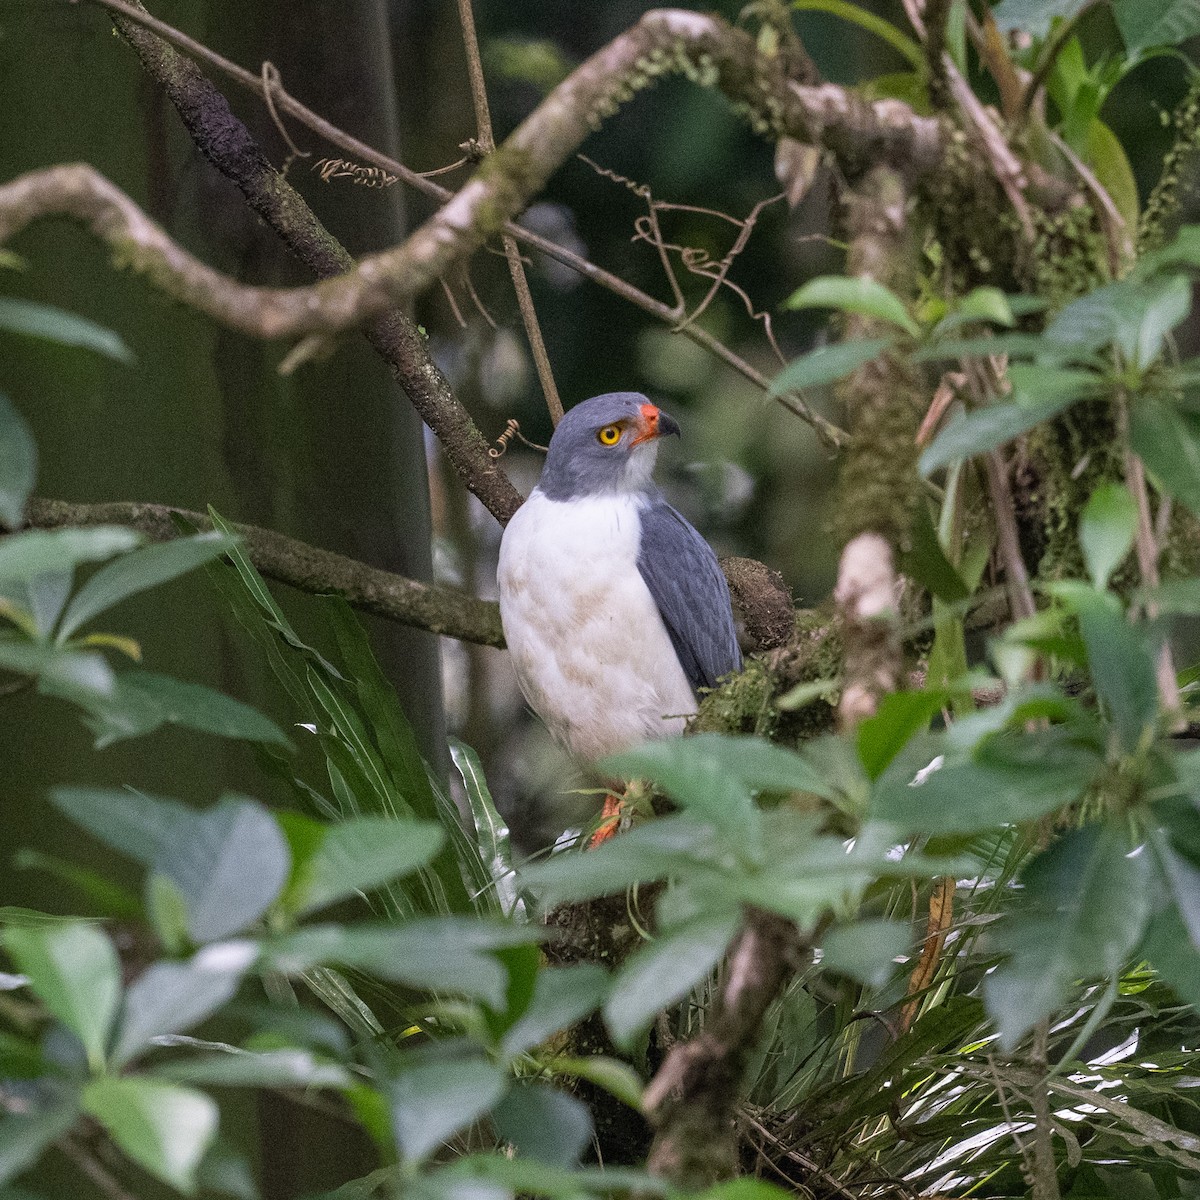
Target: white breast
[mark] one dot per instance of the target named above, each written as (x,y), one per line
(592,655)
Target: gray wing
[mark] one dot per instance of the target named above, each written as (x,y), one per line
(687,584)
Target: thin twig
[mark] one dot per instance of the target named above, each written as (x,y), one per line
(89,1165)
(483,121)
(271,80)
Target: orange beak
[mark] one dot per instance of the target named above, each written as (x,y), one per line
(654,424)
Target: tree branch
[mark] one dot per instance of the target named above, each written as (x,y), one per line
(663,42)
(692,1097)
(431,606)
(228,145)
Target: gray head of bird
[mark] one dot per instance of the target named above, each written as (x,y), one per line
(605,445)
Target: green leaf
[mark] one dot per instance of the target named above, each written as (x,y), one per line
(232,1066)
(746,1188)
(615,1077)
(1081,911)
(647,852)
(561,997)
(145,568)
(1010,778)
(162,1127)
(439,954)
(1171,952)
(1168,440)
(1112,168)
(927,563)
(18,463)
(869,21)
(230,868)
(359,854)
(827,364)
(1147,23)
(144,700)
(530,1177)
(987,428)
(169,997)
(134,823)
(24,1136)
(1034,16)
(900,715)
(1136,314)
(434,1100)
(491,833)
(84,678)
(664,971)
(542,1123)
(1122,663)
(1018,345)
(24,556)
(860,294)
(53,325)
(1106,530)
(866,950)
(74,969)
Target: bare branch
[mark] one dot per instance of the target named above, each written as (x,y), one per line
(435,607)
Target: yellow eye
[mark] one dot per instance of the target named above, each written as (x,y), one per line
(610,435)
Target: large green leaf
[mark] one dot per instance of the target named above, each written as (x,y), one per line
(161,1126)
(1147,23)
(53,325)
(561,996)
(169,997)
(24,1136)
(1083,907)
(866,950)
(927,563)
(442,955)
(231,866)
(1034,16)
(81,676)
(145,568)
(860,294)
(1106,530)
(985,429)
(134,823)
(435,1099)
(543,1123)
(1010,778)
(18,463)
(1171,952)
(900,715)
(651,851)
(1135,314)
(74,969)
(232,1066)
(24,556)
(664,971)
(1168,440)
(358,854)
(142,701)
(1122,661)
(827,364)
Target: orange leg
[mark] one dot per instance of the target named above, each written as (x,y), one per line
(610,820)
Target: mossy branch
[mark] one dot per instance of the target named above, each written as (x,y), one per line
(435,607)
